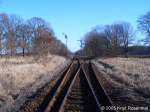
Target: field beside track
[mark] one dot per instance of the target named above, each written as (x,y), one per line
(127,80)
(20,73)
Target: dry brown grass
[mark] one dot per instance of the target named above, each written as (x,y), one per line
(129,78)
(19,73)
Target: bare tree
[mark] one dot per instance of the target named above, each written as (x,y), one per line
(119,35)
(13,27)
(95,43)
(23,38)
(35,36)
(37,27)
(1,36)
(112,40)
(4,23)
(126,35)
(144,25)
(43,43)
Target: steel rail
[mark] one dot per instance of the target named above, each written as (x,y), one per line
(59,89)
(54,87)
(92,90)
(106,101)
(69,90)
(61,85)
(80,69)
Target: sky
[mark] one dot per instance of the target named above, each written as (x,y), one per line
(77,17)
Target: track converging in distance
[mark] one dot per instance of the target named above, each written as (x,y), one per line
(78,89)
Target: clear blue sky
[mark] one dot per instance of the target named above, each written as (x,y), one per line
(77,17)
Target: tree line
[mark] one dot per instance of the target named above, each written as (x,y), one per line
(117,39)
(31,37)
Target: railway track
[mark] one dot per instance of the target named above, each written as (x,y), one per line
(78,89)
